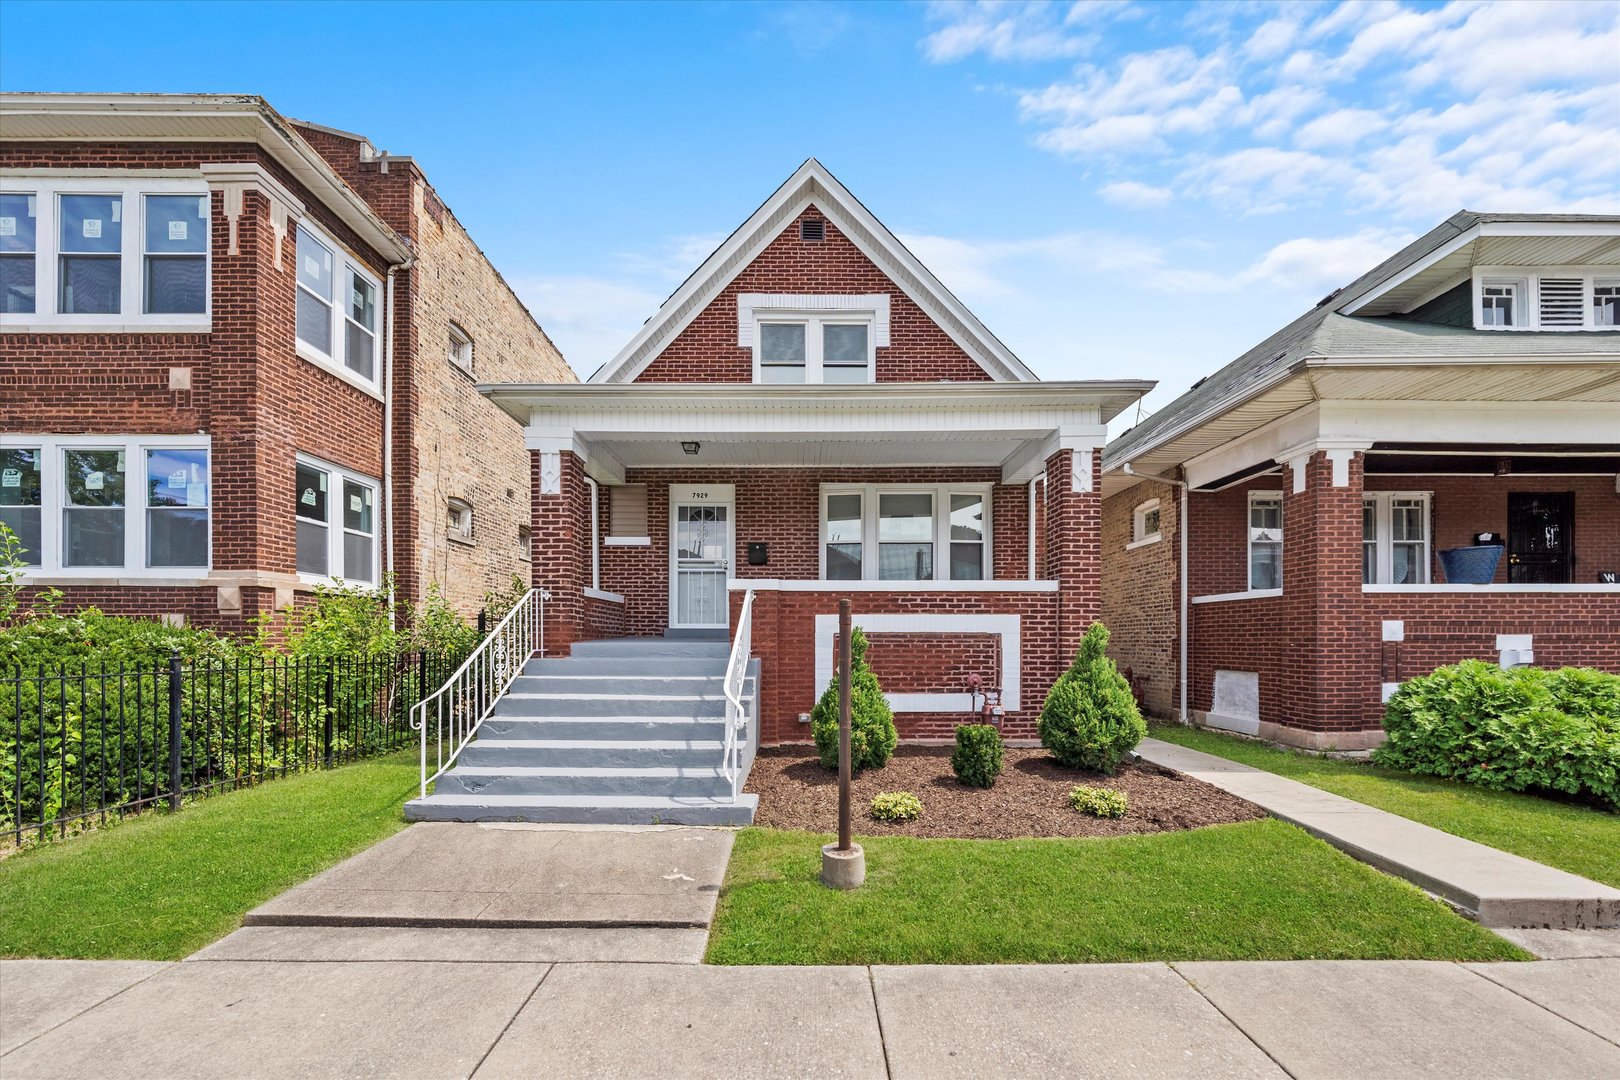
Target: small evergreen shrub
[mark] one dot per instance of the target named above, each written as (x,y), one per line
(1090,719)
(894,806)
(976,761)
(1099,801)
(872,736)
(1522,729)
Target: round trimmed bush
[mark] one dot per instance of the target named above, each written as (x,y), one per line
(872,736)
(1090,719)
(1099,801)
(976,761)
(896,806)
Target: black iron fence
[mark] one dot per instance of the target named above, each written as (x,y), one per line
(88,742)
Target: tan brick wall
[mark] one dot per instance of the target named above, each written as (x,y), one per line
(1139,595)
(464,445)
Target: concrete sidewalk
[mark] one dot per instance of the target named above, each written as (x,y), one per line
(237,1018)
(1497,888)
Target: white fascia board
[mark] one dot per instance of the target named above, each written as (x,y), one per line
(1461,240)
(1257,447)
(1220,406)
(810,183)
(1494,423)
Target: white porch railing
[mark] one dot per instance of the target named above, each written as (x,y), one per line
(461,704)
(739,752)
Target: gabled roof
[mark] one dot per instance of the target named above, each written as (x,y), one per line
(1325,331)
(812,183)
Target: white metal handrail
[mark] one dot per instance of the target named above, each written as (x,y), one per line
(739,716)
(468,696)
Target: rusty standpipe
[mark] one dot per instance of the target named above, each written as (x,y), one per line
(843,865)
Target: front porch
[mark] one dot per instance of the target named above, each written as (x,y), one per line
(964,520)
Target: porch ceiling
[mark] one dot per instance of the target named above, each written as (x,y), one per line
(817,450)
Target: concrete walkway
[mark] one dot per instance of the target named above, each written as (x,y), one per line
(1499,889)
(393,1018)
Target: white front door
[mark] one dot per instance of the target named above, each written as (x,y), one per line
(700,551)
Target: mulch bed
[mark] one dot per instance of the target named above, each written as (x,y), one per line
(1030,797)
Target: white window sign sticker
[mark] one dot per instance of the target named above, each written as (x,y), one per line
(177,230)
(178,478)
(312,266)
(355,504)
(116,206)
(308,497)
(196,494)
(11,478)
(95,481)
(92,228)
(120,461)
(8,226)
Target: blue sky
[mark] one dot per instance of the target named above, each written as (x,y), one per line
(1117,189)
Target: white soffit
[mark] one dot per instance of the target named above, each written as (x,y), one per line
(812,183)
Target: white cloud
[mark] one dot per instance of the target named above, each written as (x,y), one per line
(1005,31)
(1135,194)
(1314,262)
(589,318)
(1342,127)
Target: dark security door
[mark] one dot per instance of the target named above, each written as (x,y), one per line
(1540,537)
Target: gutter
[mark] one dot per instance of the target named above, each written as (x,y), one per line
(1181,530)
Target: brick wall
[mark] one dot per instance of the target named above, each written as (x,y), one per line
(707,351)
(1140,593)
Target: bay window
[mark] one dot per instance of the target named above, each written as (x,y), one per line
(105,252)
(337,310)
(884,532)
(830,348)
(89,505)
(1395,538)
(336,523)
(1265,540)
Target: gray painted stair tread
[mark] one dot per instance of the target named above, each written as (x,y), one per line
(601,744)
(542,770)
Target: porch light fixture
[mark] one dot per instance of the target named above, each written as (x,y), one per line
(692,447)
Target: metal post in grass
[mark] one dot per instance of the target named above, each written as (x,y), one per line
(326,724)
(174,729)
(843,865)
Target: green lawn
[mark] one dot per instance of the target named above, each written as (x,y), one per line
(1261,890)
(1574,838)
(161,886)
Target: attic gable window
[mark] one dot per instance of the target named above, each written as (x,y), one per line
(1508,298)
(835,347)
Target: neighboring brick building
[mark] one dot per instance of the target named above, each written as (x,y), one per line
(810,416)
(1469,385)
(209,314)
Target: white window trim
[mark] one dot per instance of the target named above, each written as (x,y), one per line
(463,534)
(53,501)
(1384,558)
(942,528)
(812,322)
(1248,543)
(1527,281)
(1139,538)
(344,261)
(463,341)
(131,316)
(335,530)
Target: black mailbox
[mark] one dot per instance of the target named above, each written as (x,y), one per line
(758,554)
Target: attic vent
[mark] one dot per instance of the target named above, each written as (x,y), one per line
(1562,302)
(815,231)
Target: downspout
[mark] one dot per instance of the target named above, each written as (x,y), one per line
(388,434)
(1040,479)
(596,532)
(1181,529)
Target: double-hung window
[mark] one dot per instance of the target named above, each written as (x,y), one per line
(90,505)
(336,523)
(1395,538)
(905,533)
(338,325)
(1265,540)
(813,349)
(105,253)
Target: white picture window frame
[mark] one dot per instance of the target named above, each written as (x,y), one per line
(1145,527)
(1257,536)
(344,266)
(940,534)
(1383,542)
(131,317)
(54,503)
(814,323)
(336,478)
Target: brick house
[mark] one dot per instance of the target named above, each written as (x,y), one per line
(810,416)
(238,356)
(1287,521)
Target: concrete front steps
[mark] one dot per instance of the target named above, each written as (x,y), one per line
(629,731)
